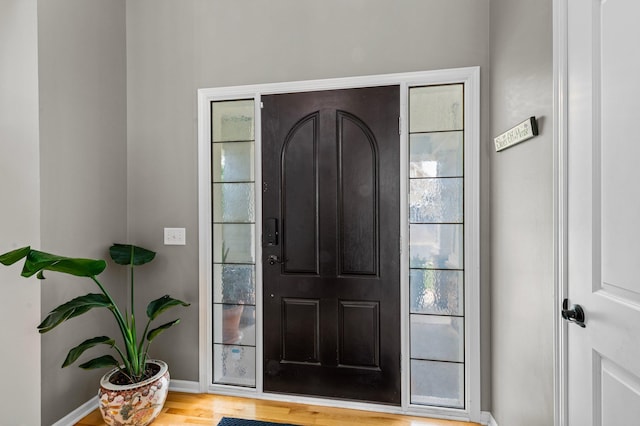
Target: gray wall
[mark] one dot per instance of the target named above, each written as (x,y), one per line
(83,174)
(175,47)
(521,215)
(20,212)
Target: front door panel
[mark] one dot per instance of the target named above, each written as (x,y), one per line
(331,282)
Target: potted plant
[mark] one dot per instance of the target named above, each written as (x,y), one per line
(134,391)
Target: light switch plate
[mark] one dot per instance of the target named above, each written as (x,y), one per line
(175,237)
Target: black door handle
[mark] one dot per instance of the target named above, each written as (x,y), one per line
(575,314)
(273,259)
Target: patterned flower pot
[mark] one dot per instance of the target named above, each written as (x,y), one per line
(136,404)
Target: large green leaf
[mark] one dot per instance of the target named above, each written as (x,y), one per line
(37,261)
(11,257)
(127,254)
(75,353)
(100,362)
(154,333)
(73,308)
(158,306)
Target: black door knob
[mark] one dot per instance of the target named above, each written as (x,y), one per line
(575,314)
(273,259)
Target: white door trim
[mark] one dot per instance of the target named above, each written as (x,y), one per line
(560,58)
(471,78)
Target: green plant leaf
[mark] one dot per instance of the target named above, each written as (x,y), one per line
(158,306)
(100,362)
(73,308)
(11,257)
(37,261)
(127,254)
(75,353)
(154,333)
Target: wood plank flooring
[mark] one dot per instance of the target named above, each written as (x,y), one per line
(205,409)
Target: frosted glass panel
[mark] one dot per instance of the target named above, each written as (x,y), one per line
(234,365)
(232,121)
(436,200)
(437,383)
(233,243)
(233,216)
(234,284)
(436,108)
(233,202)
(234,324)
(436,154)
(436,246)
(436,292)
(233,162)
(437,338)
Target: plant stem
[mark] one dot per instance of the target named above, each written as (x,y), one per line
(131,287)
(134,338)
(132,348)
(146,328)
(124,358)
(123,328)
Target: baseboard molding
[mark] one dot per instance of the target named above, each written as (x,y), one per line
(76,415)
(487,419)
(186,386)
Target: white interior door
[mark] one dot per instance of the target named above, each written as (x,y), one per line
(603,211)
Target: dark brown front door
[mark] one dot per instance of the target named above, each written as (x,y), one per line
(331,251)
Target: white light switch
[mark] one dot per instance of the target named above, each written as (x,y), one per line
(174,237)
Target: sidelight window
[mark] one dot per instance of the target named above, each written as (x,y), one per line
(436,240)
(233,211)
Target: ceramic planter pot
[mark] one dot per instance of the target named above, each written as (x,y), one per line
(136,404)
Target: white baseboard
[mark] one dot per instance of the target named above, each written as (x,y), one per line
(187,386)
(487,419)
(76,415)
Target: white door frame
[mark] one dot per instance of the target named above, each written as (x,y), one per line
(560,200)
(471,78)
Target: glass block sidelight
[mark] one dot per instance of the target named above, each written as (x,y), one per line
(234,324)
(234,241)
(436,154)
(436,200)
(232,121)
(436,292)
(436,108)
(233,161)
(437,338)
(233,202)
(436,245)
(234,365)
(437,383)
(234,284)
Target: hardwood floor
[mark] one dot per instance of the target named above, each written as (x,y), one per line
(204,409)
